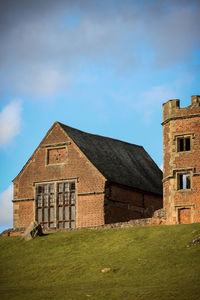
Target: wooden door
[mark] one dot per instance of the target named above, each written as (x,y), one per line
(185,216)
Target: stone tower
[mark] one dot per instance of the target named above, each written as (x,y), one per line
(181,161)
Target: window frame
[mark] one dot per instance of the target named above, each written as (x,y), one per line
(43,206)
(66,204)
(184,137)
(47,224)
(182,144)
(180,175)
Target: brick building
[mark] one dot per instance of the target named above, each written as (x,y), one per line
(181,165)
(76,179)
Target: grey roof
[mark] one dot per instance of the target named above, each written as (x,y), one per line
(118,161)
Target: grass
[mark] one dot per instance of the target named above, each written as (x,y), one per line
(146,263)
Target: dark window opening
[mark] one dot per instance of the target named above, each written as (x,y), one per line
(183,144)
(184,181)
(187,144)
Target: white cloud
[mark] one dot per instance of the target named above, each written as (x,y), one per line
(10,121)
(161,167)
(6,207)
(157,95)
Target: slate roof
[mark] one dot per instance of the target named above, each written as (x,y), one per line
(118,161)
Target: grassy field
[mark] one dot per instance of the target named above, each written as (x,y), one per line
(146,263)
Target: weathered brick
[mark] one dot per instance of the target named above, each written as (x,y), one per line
(57,159)
(180,122)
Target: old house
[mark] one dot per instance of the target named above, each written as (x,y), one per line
(75,179)
(181,167)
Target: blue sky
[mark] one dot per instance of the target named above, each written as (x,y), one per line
(104,67)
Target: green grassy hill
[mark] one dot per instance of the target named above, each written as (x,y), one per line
(146,263)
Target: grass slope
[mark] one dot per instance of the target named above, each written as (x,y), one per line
(146,263)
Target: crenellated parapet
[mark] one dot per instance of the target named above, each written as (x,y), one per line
(172,110)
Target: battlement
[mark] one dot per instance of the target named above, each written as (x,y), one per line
(172,110)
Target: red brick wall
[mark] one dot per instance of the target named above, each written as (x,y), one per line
(23,213)
(89,207)
(175,162)
(76,166)
(90,210)
(123,204)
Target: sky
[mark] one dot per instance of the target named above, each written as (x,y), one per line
(104,67)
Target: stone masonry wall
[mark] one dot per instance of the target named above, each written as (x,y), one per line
(158,218)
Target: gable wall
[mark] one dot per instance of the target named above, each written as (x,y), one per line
(77,166)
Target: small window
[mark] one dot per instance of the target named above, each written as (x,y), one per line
(183,144)
(184,181)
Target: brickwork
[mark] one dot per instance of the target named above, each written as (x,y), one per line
(181,123)
(76,166)
(90,211)
(123,204)
(23,213)
(58,159)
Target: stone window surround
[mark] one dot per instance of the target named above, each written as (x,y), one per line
(55,146)
(182,172)
(182,206)
(184,135)
(75,180)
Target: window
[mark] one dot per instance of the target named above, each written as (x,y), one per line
(45,205)
(66,199)
(183,144)
(184,181)
(55,205)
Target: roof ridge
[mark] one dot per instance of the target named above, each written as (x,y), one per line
(98,135)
